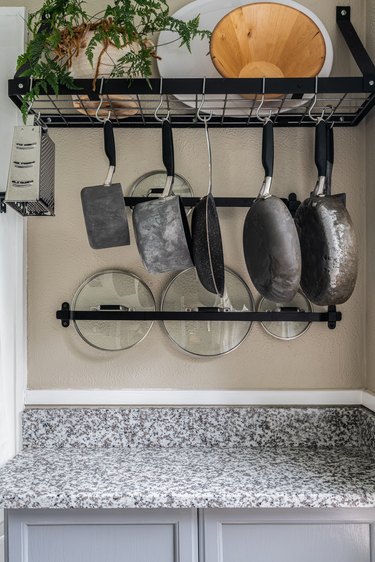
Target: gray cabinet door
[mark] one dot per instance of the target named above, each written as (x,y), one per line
(102,535)
(287,535)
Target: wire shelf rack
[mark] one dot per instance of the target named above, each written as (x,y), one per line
(232,102)
(236,102)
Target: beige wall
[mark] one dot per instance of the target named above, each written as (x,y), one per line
(370,206)
(59,258)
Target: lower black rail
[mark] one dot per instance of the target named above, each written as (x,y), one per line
(331,316)
(231,202)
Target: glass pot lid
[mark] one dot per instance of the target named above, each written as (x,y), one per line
(114,290)
(205,338)
(152,185)
(286,330)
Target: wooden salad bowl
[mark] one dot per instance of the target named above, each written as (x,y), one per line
(267,40)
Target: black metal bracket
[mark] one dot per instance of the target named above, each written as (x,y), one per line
(357,49)
(65,315)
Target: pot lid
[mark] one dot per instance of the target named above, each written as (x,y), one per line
(286,330)
(205,338)
(152,185)
(113,288)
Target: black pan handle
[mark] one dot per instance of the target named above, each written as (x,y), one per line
(321,148)
(268,148)
(109,143)
(168,151)
(330,160)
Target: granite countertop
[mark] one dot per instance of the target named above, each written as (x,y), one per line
(188,477)
(239,457)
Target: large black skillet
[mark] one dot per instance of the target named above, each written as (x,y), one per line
(327,237)
(270,240)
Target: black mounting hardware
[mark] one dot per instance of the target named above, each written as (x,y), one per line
(331,316)
(357,49)
(65,315)
(348,99)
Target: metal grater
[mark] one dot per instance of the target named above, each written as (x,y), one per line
(31,180)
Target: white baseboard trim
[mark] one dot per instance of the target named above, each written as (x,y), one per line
(167,397)
(368,400)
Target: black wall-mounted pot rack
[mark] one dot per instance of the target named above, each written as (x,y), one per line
(331,316)
(347,100)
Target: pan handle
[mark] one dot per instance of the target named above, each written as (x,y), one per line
(110,150)
(320,157)
(109,143)
(267,159)
(168,150)
(330,160)
(168,156)
(268,149)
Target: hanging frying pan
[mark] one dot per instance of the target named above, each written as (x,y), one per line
(103,205)
(270,240)
(206,234)
(327,237)
(160,225)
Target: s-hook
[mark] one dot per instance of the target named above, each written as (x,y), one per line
(317,120)
(100,105)
(203,117)
(266,119)
(157,109)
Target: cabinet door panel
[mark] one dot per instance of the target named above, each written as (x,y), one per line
(288,535)
(102,535)
(98,543)
(294,543)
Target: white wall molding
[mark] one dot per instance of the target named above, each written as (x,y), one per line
(368,400)
(167,397)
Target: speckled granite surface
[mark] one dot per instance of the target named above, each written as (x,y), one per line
(193,457)
(189,477)
(195,427)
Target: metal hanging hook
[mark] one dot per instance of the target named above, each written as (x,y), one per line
(203,116)
(100,105)
(166,117)
(332,111)
(317,120)
(31,103)
(266,119)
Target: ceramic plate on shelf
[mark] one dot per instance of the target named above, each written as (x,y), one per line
(177,62)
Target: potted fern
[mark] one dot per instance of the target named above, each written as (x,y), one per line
(67,42)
